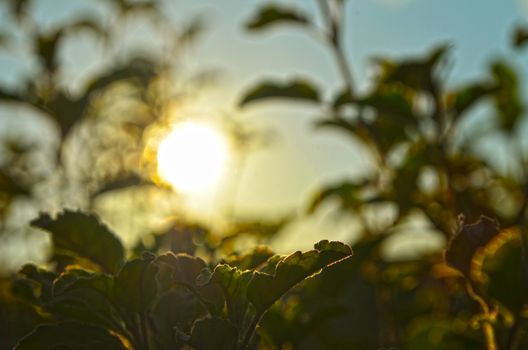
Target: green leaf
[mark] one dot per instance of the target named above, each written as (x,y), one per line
(264,289)
(134,293)
(392,105)
(19,8)
(4,40)
(234,283)
(120,183)
(83,236)
(348,194)
(184,270)
(135,286)
(462,99)
(256,228)
(10,185)
(43,278)
(67,278)
(520,37)
(507,97)
(85,297)
(505,273)
(343,98)
(33,284)
(191,31)
(418,74)
(469,240)
(173,313)
(272,15)
(342,124)
(137,69)
(69,336)
(213,334)
(295,89)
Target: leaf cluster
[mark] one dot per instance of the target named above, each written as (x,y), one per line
(95,297)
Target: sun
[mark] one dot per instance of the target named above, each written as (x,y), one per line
(193,157)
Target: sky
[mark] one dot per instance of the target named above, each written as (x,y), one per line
(303,160)
(282,177)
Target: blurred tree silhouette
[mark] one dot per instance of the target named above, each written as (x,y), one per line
(410,123)
(101,120)
(473,295)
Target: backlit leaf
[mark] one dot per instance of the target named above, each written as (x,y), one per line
(234,283)
(83,235)
(264,289)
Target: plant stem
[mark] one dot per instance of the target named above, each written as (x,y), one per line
(251,331)
(513,336)
(489,333)
(337,46)
(487,328)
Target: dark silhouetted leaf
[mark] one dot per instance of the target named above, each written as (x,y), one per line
(192,30)
(463,99)
(183,270)
(174,313)
(264,289)
(520,37)
(342,124)
(140,69)
(119,183)
(416,74)
(69,336)
(19,8)
(85,297)
(469,239)
(342,98)
(272,15)
(256,228)
(83,235)
(213,334)
(135,286)
(234,283)
(505,273)
(43,278)
(296,89)
(507,96)
(348,194)
(392,105)
(4,40)
(128,7)
(10,185)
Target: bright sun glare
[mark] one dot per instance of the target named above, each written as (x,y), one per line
(192,157)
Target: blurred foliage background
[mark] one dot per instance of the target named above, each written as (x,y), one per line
(91,142)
